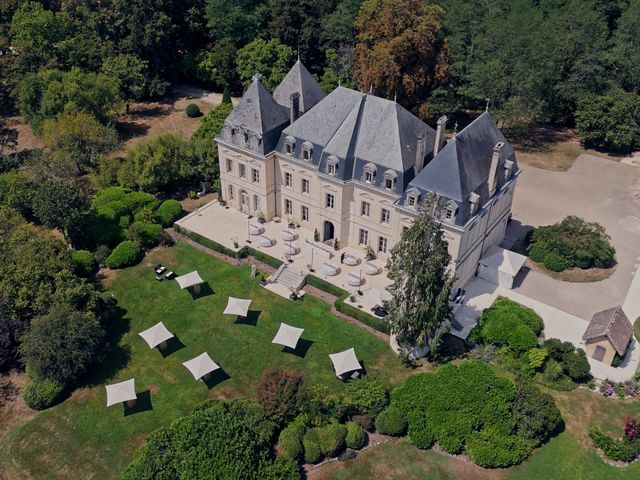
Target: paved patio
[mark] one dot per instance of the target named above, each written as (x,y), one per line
(227,225)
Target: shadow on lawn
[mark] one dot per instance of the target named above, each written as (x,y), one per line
(173,345)
(301,349)
(205,291)
(217,377)
(250,319)
(143,404)
(116,356)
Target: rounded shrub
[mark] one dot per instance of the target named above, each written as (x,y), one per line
(125,254)
(554,262)
(420,434)
(451,443)
(491,449)
(168,212)
(145,234)
(332,439)
(356,436)
(83,261)
(366,396)
(101,254)
(391,421)
(193,110)
(364,421)
(538,251)
(42,394)
(311,444)
(290,443)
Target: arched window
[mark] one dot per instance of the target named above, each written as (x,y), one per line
(332,165)
(369,174)
(289,145)
(390,180)
(307,151)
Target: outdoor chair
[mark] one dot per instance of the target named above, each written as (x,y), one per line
(159,278)
(169,275)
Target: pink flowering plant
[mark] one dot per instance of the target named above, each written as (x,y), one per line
(631,429)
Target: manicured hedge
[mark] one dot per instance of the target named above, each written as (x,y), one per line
(420,433)
(356,436)
(42,394)
(84,262)
(374,322)
(614,449)
(571,243)
(332,439)
(311,443)
(264,258)
(290,443)
(391,421)
(491,448)
(326,286)
(127,253)
(168,212)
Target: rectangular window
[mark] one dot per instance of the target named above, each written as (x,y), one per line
(305,185)
(288,179)
(305,154)
(385,215)
(365,208)
(229,165)
(330,200)
(288,207)
(411,200)
(243,170)
(231,192)
(288,148)
(368,177)
(363,238)
(448,214)
(331,168)
(255,175)
(382,245)
(305,213)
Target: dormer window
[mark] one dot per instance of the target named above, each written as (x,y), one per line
(289,145)
(390,180)
(288,148)
(307,151)
(474,200)
(246,138)
(369,173)
(412,199)
(332,166)
(450,213)
(508,167)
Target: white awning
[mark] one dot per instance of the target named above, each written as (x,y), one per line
(189,280)
(376,296)
(155,335)
(344,362)
(288,335)
(201,365)
(237,306)
(121,392)
(504,260)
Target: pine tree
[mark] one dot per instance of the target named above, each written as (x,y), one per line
(421,281)
(226,96)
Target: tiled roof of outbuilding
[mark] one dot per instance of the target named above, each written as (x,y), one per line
(613,324)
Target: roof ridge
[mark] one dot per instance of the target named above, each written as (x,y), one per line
(356,129)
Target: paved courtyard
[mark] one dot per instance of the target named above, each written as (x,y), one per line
(599,190)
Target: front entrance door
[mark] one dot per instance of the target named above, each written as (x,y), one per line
(328,231)
(244,201)
(599,352)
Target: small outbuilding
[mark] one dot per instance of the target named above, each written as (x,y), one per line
(500,266)
(122,392)
(288,336)
(191,279)
(201,366)
(608,333)
(238,307)
(157,336)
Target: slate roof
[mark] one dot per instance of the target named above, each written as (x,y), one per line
(462,166)
(299,80)
(257,114)
(358,129)
(612,324)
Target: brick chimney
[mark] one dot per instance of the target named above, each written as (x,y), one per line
(495,161)
(439,142)
(294,107)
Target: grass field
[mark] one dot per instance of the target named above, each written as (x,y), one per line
(81,438)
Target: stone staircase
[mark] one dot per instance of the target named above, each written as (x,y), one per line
(289,278)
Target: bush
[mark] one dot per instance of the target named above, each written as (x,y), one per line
(127,253)
(555,262)
(492,449)
(420,433)
(311,444)
(332,439)
(374,322)
(365,422)
(145,234)
(193,110)
(356,436)
(281,469)
(83,262)
(101,254)
(42,394)
(279,393)
(366,396)
(576,365)
(168,212)
(290,443)
(507,323)
(391,421)
(535,413)
(326,286)
(614,449)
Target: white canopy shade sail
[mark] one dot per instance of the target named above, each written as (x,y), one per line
(201,365)
(344,362)
(121,392)
(237,306)
(189,280)
(155,335)
(376,296)
(288,336)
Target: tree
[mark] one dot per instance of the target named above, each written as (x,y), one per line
(610,121)
(239,21)
(59,203)
(205,149)
(270,59)
(421,283)
(61,345)
(338,26)
(625,54)
(218,65)
(279,394)
(536,414)
(128,71)
(80,137)
(401,49)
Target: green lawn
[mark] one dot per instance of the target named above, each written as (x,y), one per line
(81,438)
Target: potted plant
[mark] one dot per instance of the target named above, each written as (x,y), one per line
(369,254)
(336,244)
(291,222)
(222,202)
(235,242)
(316,235)
(260,217)
(352,298)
